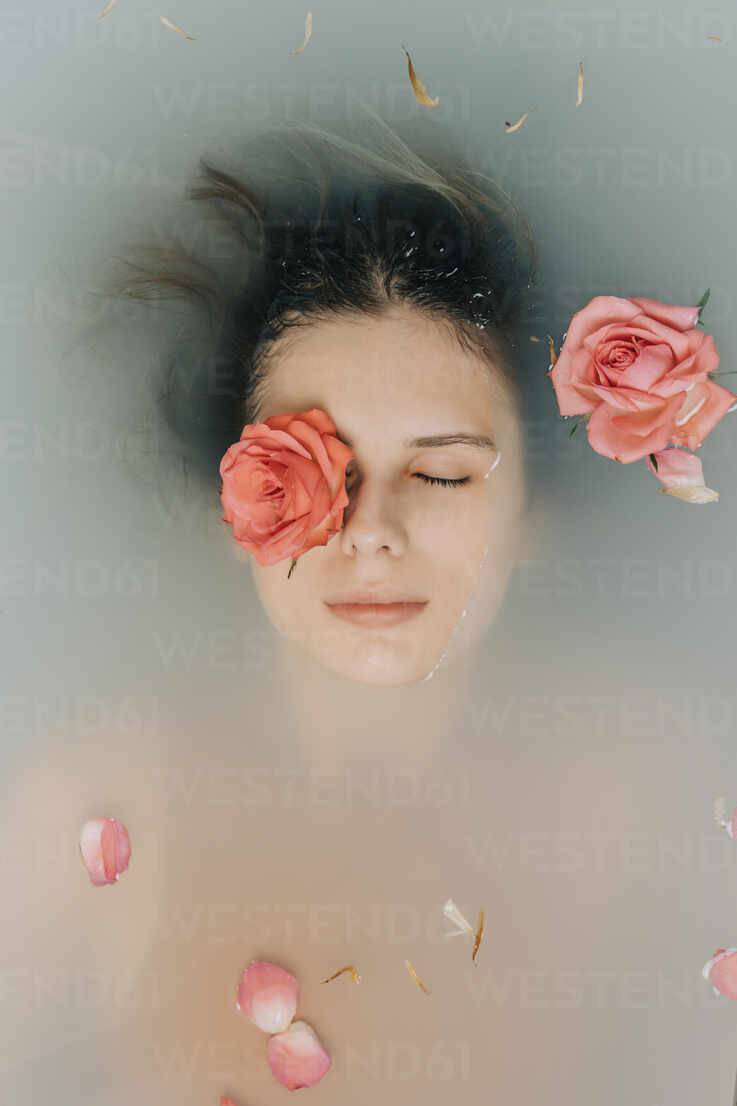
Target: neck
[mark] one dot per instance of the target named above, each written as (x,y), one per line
(333,717)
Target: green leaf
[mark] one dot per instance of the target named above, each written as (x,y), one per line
(654,460)
(701,305)
(575,427)
(291,568)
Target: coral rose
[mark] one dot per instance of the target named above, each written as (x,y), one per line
(640,369)
(284,485)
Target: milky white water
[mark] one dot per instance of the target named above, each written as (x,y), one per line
(561,775)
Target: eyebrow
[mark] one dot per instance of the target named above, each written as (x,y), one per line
(477,441)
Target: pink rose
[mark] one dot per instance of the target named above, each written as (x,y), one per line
(284,485)
(640,369)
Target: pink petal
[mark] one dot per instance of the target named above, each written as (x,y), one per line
(625,399)
(705,405)
(106,849)
(296,1057)
(722,971)
(599,312)
(682,475)
(226,1101)
(677,467)
(267,994)
(693,369)
(649,367)
(628,436)
(315,417)
(670,314)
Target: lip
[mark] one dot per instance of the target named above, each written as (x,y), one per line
(374,595)
(377,613)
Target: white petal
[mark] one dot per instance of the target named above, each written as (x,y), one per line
(454,915)
(693,493)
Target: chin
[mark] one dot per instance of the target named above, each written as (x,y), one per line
(379,666)
(379,678)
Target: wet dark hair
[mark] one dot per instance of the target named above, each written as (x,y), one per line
(317,227)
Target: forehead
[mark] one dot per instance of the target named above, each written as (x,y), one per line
(400,372)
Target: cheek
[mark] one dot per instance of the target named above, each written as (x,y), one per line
(452,525)
(283,600)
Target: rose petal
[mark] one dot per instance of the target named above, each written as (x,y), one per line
(297,1057)
(693,369)
(649,367)
(453,914)
(105,847)
(677,467)
(697,494)
(708,402)
(316,416)
(682,475)
(625,399)
(598,312)
(722,971)
(421,93)
(680,318)
(628,436)
(308,33)
(267,994)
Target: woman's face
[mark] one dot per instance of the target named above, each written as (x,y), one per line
(386,382)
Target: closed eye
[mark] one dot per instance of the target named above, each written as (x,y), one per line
(444,482)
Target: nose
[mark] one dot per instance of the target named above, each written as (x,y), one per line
(372,521)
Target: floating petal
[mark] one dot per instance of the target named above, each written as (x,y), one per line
(477,935)
(348,968)
(308,32)
(681,473)
(453,914)
(415,976)
(722,971)
(267,994)
(421,93)
(105,847)
(514,127)
(166,23)
(697,494)
(297,1057)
